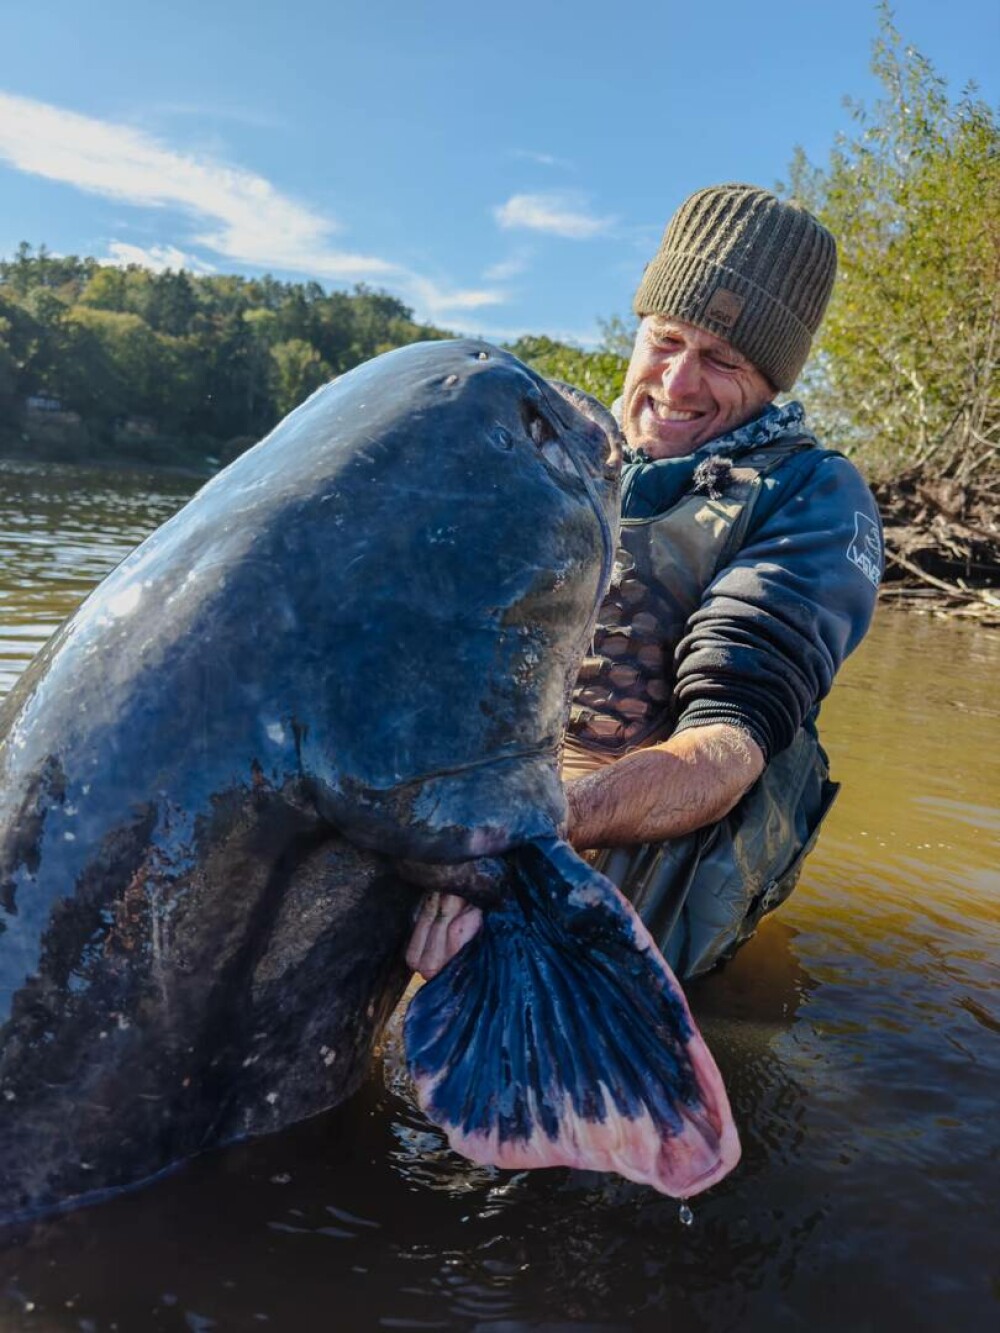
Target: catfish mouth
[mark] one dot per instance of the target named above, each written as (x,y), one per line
(484,807)
(605,434)
(544,750)
(554,453)
(600,470)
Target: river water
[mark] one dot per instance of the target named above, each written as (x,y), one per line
(858,1033)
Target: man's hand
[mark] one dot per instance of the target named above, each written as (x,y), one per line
(445,923)
(665,791)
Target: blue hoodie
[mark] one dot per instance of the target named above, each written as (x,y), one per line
(778,620)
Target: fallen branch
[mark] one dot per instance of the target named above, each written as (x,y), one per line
(905,590)
(952,589)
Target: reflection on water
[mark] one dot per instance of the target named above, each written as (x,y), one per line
(858,1035)
(61,530)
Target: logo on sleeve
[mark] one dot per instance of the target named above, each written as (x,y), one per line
(865,549)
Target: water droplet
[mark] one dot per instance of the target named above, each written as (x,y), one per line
(684,1215)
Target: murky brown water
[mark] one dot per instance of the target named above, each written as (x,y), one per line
(859,1034)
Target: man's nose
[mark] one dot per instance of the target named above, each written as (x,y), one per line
(682,374)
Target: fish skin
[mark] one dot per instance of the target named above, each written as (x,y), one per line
(353,645)
(217,777)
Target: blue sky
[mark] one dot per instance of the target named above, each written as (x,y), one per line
(504,168)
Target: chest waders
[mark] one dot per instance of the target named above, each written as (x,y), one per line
(701,895)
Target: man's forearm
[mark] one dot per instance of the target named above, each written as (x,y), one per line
(665,791)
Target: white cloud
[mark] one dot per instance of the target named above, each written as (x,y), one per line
(436,303)
(245,218)
(543,159)
(476,326)
(202,111)
(508,268)
(559,214)
(155,257)
(239,216)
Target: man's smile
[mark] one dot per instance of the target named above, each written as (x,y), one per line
(664,412)
(685,386)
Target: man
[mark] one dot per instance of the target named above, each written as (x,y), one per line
(748,570)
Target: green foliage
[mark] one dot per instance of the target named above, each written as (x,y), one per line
(906,372)
(600,373)
(21,351)
(618,335)
(131,357)
(299,370)
(8,364)
(172,365)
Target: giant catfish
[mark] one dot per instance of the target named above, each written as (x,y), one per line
(348,658)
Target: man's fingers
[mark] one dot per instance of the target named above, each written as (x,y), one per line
(436,952)
(462,929)
(421,929)
(445,923)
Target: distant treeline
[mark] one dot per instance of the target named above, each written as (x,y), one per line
(97,361)
(101,362)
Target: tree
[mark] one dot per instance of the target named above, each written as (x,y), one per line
(213,361)
(65,274)
(299,369)
(618,335)
(27,351)
(9,367)
(106,290)
(600,373)
(906,372)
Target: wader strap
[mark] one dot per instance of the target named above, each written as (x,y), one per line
(738,532)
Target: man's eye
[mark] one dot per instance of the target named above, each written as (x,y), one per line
(723,364)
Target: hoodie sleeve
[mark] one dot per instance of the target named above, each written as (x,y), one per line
(776,623)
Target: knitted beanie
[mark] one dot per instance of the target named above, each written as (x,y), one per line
(750,268)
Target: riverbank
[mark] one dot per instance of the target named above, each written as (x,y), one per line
(62,438)
(942,546)
(100,465)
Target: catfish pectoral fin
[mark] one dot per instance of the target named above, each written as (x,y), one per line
(558,1036)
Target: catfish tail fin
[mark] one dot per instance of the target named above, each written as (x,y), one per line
(558,1036)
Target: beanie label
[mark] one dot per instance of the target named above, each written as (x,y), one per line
(724,307)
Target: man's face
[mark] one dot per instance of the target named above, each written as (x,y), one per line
(685,387)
